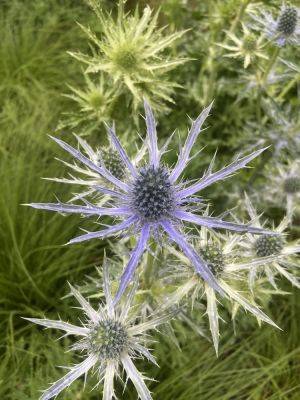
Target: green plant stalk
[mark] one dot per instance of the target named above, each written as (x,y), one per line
(149,269)
(287,88)
(258,170)
(239,15)
(213,69)
(270,65)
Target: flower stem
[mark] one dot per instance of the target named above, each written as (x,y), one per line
(286,89)
(270,65)
(239,15)
(149,269)
(258,170)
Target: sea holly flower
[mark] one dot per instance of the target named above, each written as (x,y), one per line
(131,52)
(221,255)
(94,103)
(247,47)
(110,338)
(284,29)
(153,199)
(271,255)
(284,186)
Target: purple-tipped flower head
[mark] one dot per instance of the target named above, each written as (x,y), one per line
(151,198)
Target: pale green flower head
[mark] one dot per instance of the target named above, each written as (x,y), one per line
(248,46)
(94,105)
(131,52)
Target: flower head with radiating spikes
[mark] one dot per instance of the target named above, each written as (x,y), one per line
(270,254)
(283,186)
(94,105)
(131,52)
(110,338)
(152,199)
(222,257)
(284,29)
(248,47)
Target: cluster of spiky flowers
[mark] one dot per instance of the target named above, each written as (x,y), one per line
(224,260)
(130,52)
(148,200)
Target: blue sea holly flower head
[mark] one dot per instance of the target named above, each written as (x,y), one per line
(222,255)
(285,29)
(271,255)
(152,199)
(110,338)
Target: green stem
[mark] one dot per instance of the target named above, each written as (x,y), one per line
(149,270)
(258,105)
(212,67)
(239,15)
(270,65)
(287,88)
(258,170)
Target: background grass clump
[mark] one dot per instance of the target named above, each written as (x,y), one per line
(255,363)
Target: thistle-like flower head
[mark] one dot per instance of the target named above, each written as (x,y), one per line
(110,339)
(284,186)
(223,258)
(152,198)
(284,29)
(130,52)
(247,47)
(94,105)
(270,254)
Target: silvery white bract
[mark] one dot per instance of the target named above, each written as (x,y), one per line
(152,199)
(110,339)
(221,255)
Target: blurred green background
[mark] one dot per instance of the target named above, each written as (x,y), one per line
(255,363)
